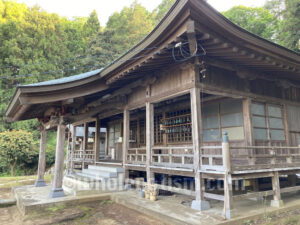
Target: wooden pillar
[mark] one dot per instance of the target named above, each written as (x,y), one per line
(42,159)
(228,201)
(107,141)
(68,165)
(97,140)
(249,139)
(126,132)
(57,190)
(292,179)
(149,139)
(276,202)
(198,203)
(85,142)
(73,148)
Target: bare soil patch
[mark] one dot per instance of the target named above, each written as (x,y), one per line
(104,213)
(291,217)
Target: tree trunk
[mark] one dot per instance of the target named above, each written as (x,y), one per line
(12,169)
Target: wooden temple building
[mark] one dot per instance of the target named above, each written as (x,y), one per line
(199,97)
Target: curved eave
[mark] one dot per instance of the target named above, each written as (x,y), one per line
(177,9)
(225,27)
(203,13)
(62,83)
(52,91)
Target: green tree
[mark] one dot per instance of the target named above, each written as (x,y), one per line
(276,7)
(17,146)
(39,46)
(129,27)
(256,20)
(92,25)
(290,27)
(160,11)
(123,30)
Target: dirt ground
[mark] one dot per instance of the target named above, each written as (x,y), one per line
(286,218)
(104,213)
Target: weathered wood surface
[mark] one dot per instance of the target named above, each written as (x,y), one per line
(149,138)
(59,157)
(42,156)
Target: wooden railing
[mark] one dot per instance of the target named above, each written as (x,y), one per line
(252,158)
(211,158)
(136,156)
(84,156)
(265,157)
(174,157)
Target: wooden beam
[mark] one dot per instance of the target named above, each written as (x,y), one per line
(57,190)
(97,140)
(65,94)
(197,139)
(42,158)
(276,202)
(175,32)
(149,139)
(126,133)
(73,147)
(191,34)
(252,195)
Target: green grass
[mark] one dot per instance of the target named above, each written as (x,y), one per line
(288,220)
(8,182)
(56,208)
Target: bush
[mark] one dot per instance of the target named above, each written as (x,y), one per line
(18,149)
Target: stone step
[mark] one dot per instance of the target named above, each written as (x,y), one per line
(107,168)
(86,177)
(75,184)
(99,173)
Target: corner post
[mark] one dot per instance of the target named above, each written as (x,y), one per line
(199,203)
(126,132)
(149,139)
(276,202)
(73,148)
(85,142)
(228,201)
(40,182)
(57,190)
(97,141)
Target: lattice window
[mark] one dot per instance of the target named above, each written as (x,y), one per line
(178,126)
(133,131)
(158,134)
(142,131)
(114,134)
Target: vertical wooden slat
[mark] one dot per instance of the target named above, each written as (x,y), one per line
(149,139)
(73,148)
(107,141)
(227,177)
(85,142)
(126,132)
(42,158)
(287,133)
(248,129)
(197,139)
(276,202)
(57,190)
(97,141)
(138,130)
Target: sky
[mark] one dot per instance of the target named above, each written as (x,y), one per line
(104,8)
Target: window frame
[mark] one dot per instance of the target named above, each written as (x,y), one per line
(219,115)
(267,118)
